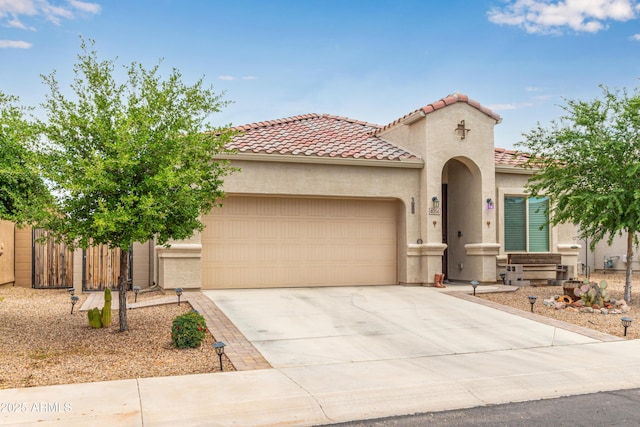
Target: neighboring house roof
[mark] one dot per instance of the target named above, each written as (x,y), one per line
(320,135)
(434,106)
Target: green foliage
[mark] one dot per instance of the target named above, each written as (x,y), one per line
(23,195)
(188,330)
(592,293)
(95,319)
(588,163)
(130,162)
(105,314)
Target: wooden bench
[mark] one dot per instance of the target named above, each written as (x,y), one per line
(538,268)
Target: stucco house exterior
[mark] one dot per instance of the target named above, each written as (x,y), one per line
(322,200)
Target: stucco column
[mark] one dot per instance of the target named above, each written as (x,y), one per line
(483,259)
(179,264)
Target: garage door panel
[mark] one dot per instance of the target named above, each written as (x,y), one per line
(280,242)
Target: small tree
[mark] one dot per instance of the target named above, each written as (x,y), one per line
(130,162)
(588,162)
(22,191)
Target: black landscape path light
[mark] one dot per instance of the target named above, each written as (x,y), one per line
(178,292)
(136,290)
(626,322)
(474,285)
(503,276)
(532,300)
(71,291)
(219,347)
(74,300)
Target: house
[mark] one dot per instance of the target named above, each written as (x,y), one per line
(322,200)
(328,201)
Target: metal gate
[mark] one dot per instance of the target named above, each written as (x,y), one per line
(101,267)
(52,263)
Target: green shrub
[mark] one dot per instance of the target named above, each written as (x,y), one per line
(188,330)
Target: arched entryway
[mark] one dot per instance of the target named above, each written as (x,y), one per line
(461,215)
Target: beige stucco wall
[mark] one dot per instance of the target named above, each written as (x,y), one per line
(563,237)
(23,257)
(467,166)
(7,252)
(349,180)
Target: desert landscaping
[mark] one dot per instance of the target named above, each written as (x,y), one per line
(42,343)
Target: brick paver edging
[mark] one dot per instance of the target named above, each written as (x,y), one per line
(596,335)
(239,350)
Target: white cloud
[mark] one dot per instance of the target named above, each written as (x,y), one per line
(502,107)
(532,89)
(86,6)
(552,17)
(14,44)
(249,78)
(636,37)
(226,78)
(12,10)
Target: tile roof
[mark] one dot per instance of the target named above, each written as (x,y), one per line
(448,100)
(504,157)
(320,135)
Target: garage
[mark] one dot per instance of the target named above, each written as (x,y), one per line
(260,242)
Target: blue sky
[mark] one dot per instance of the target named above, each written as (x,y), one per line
(370,60)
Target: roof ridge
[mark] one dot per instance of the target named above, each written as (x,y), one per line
(301,117)
(441,103)
(273,122)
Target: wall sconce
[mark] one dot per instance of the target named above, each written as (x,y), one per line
(413,205)
(490,204)
(461,130)
(435,202)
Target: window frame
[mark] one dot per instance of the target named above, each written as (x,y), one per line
(527,223)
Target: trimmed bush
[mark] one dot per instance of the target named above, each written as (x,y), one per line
(188,330)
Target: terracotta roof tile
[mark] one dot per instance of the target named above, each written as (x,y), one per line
(448,100)
(316,135)
(509,157)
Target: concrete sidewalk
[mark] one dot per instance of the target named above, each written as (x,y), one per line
(359,382)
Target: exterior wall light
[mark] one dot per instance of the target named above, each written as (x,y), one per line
(435,202)
(626,322)
(219,348)
(490,204)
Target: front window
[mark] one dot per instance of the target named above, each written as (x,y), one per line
(526,227)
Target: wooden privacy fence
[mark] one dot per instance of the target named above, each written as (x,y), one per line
(101,268)
(52,263)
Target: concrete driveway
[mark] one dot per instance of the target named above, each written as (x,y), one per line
(316,326)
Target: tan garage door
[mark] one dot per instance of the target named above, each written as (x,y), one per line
(285,242)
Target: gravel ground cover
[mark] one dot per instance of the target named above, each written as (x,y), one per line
(42,343)
(607,323)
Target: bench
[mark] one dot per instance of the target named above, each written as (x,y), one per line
(537,268)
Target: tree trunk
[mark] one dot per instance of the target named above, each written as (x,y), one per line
(627,281)
(122,290)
